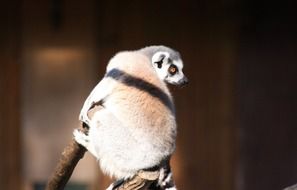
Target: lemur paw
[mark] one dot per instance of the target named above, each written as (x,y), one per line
(81,138)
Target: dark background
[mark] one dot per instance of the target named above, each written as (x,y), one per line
(237,118)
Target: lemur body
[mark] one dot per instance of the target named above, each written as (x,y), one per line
(135,127)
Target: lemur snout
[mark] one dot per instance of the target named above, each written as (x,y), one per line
(184,81)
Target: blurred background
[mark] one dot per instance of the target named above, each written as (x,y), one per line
(237,118)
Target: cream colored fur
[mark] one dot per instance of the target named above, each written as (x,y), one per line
(133,129)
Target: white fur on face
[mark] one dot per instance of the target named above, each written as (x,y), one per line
(161,62)
(160,58)
(176,78)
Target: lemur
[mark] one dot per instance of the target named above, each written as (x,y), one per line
(135,126)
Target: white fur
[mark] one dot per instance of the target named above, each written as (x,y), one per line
(133,129)
(171,188)
(163,71)
(179,75)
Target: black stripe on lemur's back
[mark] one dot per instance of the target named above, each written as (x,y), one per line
(143,85)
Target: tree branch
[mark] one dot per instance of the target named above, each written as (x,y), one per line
(71,156)
(68,160)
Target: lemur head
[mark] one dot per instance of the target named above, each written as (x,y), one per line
(167,63)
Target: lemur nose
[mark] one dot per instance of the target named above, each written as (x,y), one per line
(184,81)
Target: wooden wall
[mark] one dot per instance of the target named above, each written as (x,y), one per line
(10,152)
(58,68)
(267,95)
(236,118)
(204,34)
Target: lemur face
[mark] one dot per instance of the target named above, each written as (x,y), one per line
(169,69)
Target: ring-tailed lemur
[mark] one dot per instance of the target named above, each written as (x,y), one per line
(135,127)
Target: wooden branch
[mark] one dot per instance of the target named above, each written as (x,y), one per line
(141,181)
(74,152)
(69,159)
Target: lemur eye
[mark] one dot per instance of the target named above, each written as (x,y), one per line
(172,69)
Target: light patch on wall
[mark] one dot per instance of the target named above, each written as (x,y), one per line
(56,60)
(55,83)
(59,56)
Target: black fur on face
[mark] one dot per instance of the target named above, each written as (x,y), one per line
(159,63)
